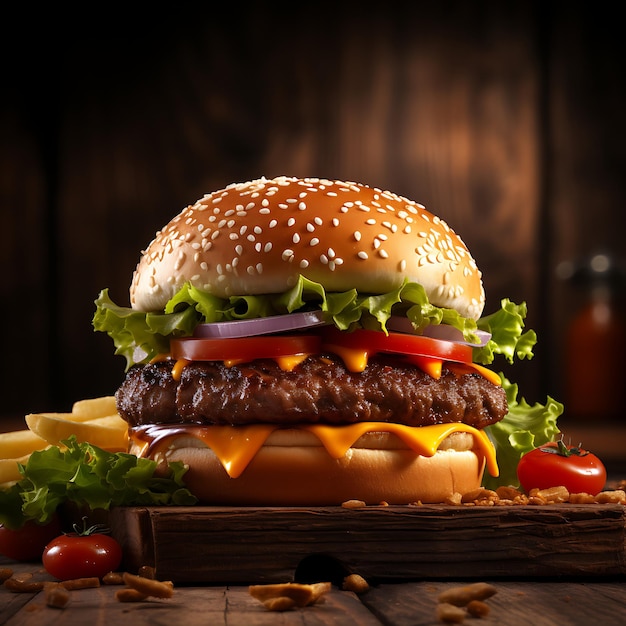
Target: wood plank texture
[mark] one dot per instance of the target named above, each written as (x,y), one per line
(244,545)
(515,603)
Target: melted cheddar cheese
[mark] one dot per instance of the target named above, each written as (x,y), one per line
(236,446)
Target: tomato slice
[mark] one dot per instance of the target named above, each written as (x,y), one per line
(372,342)
(243,348)
(367,342)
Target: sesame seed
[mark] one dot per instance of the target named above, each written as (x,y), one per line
(179,261)
(302,206)
(291,221)
(370,222)
(363,255)
(304,264)
(296,238)
(314,241)
(357,235)
(310,227)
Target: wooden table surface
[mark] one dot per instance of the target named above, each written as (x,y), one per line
(523,602)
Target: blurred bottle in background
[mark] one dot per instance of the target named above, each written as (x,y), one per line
(595,340)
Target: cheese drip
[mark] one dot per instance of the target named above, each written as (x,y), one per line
(236,446)
(356,361)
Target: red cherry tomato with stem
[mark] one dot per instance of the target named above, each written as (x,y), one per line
(557,464)
(82,554)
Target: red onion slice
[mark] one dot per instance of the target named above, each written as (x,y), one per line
(261,325)
(444,332)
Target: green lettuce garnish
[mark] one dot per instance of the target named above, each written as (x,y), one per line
(140,336)
(89,477)
(523,428)
(507,338)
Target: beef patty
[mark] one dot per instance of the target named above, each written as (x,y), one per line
(318,390)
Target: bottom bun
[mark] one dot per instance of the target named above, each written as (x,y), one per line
(305,475)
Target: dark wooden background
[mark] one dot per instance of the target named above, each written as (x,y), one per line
(505,118)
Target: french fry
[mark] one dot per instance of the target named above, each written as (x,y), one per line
(149,586)
(108,432)
(93,408)
(9,472)
(18,443)
(301,594)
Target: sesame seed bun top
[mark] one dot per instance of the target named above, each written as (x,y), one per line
(257,237)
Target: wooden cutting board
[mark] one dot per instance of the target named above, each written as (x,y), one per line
(222,545)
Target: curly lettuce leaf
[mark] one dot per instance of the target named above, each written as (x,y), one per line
(506,326)
(140,336)
(88,476)
(523,428)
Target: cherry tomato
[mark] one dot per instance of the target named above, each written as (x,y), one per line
(556,464)
(82,555)
(28,542)
(373,341)
(243,348)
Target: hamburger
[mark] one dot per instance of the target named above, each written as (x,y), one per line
(308,341)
